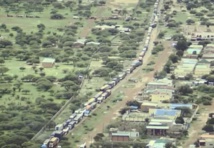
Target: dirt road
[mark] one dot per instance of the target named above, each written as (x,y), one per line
(195,128)
(130,93)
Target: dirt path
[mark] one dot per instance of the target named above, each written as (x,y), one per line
(91,22)
(195,128)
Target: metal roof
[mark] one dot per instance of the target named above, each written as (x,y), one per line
(157,127)
(48,60)
(173,106)
(165,112)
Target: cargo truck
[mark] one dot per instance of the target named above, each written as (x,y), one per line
(59,127)
(104,88)
(53,143)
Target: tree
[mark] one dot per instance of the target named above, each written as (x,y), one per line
(123,110)
(68,84)
(208,128)
(181,45)
(8,78)
(43,84)
(179,120)
(25,91)
(210,121)
(2,61)
(133,103)
(174,58)
(184,90)
(3,70)
(185,111)
(98,137)
(4,43)
(22,68)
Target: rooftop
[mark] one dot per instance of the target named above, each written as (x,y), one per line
(157,127)
(48,60)
(126,133)
(173,105)
(165,112)
(150,104)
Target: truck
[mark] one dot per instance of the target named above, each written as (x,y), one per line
(104,88)
(130,70)
(90,101)
(66,130)
(71,125)
(98,95)
(59,127)
(78,118)
(136,63)
(142,54)
(87,112)
(72,116)
(122,75)
(53,143)
(100,99)
(112,84)
(106,94)
(58,134)
(116,80)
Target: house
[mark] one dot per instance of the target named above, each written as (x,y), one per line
(79,43)
(202,68)
(193,51)
(145,106)
(120,136)
(202,36)
(208,52)
(48,62)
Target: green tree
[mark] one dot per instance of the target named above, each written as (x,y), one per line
(3,70)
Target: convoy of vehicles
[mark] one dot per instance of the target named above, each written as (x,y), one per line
(105,91)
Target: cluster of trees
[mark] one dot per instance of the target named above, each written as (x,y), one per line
(209,125)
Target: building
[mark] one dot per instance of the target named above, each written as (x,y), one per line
(124,136)
(206,143)
(160,84)
(168,113)
(157,130)
(79,43)
(202,68)
(161,96)
(93,43)
(159,143)
(197,36)
(186,66)
(208,52)
(48,62)
(175,105)
(193,51)
(145,106)
(168,122)
(207,136)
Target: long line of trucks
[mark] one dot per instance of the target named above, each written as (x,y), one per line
(105,91)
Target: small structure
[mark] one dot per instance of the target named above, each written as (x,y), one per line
(202,68)
(197,36)
(145,106)
(168,113)
(79,43)
(124,135)
(159,143)
(175,105)
(193,51)
(157,130)
(48,62)
(208,52)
